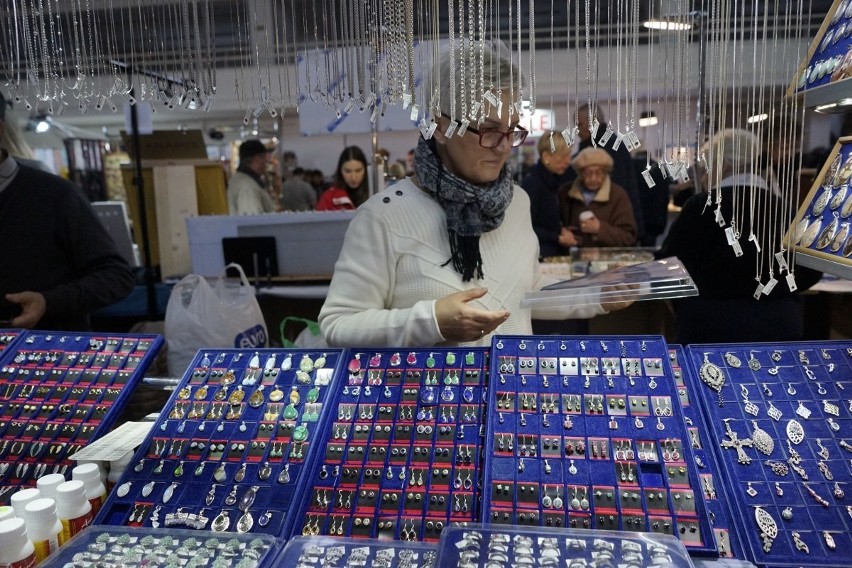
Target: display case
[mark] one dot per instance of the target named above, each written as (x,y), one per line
(8,338)
(778,419)
(124,546)
(820,233)
(402,456)
(234,445)
(492,546)
(59,391)
(588,432)
(823,76)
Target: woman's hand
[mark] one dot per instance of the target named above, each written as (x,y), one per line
(459,321)
(567,238)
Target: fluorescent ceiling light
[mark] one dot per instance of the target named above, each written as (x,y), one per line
(668,25)
(824,108)
(757,118)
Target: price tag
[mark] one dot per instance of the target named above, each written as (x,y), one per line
(491,98)
(791,282)
(719,219)
(374,115)
(406,100)
(617,144)
(594,129)
(758,291)
(649,179)
(451,129)
(569,134)
(463,126)
(606,136)
(738,250)
(770,286)
(782,261)
(729,234)
(349,106)
(415,112)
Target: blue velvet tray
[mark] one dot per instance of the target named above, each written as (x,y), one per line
(777,417)
(59,391)
(402,454)
(588,432)
(234,445)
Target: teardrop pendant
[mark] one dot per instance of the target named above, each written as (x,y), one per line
(179,469)
(254,362)
(256,399)
(201,393)
(355,364)
(199,470)
(320,362)
(241,474)
(306,364)
(294,396)
(276,395)
(169,492)
(237,396)
(430,361)
(395,360)
(147,489)
(221,522)
(312,395)
(287,363)
(284,476)
(245,523)
(221,394)
(219,474)
(247,500)
(411,359)
(265,472)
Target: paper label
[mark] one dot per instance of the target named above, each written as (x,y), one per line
(491,98)
(738,250)
(451,129)
(758,291)
(770,286)
(729,235)
(606,136)
(649,179)
(618,140)
(463,126)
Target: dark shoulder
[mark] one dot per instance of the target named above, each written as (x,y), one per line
(40,180)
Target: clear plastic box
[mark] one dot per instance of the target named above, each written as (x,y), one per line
(323,551)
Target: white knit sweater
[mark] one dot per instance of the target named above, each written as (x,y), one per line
(393,268)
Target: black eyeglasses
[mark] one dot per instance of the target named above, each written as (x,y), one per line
(493,138)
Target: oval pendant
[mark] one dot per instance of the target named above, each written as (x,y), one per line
(839,197)
(846,210)
(313,395)
(201,393)
(229,377)
(256,399)
(795,432)
(179,470)
(241,474)
(840,237)
(221,394)
(169,493)
(265,472)
(287,363)
(451,358)
(733,360)
(411,358)
(430,361)
(183,393)
(245,523)
(147,489)
(320,362)
(300,433)
(123,489)
(306,364)
(237,396)
(199,470)
(395,360)
(811,233)
(827,234)
(821,202)
(276,395)
(354,366)
(221,522)
(247,500)
(270,363)
(264,519)
(763,442)
(303,378)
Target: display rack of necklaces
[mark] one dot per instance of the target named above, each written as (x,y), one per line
(591,427)
(822,225)
(8,337)
(57,393)
(712,479)
(829,61)
(232,446)
(402,456)
(779,423)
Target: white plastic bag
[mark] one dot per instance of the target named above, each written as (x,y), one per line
(200,316)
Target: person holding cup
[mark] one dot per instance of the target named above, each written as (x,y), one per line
(597,211)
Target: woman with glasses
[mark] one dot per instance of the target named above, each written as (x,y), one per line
(445,257)
(597,211)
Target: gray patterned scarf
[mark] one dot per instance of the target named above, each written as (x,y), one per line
(471,209)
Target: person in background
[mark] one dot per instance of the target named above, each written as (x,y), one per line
(654,200)
(15,144)
(725,310)
(395,171)
(623,173)
(595,209)
(542,183)
(247,189)
(297,194)
(59,263)
(445,257)
(350,188)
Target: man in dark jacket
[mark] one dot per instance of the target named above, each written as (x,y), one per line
(59,263)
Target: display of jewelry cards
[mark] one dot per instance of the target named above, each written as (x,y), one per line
(99,545)
(493,547)
(779,418)
(232,448)
(712,477)
(322,551)
(59,391)
(588,433)
(829,59)
(402,453)
(820,233)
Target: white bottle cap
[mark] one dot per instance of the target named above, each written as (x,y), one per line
(47,484)
(71,491)
(6,512)
(40,510)
(20,499)
(11,532)
(86,472)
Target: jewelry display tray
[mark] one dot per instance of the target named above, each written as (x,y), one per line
(587,432)
(821,232)
(321,551)
(480,545)
(766,392)
(8,337)
(403,453)
(827,64)
(99,545)
(233,446)
(58,391)
(713,482)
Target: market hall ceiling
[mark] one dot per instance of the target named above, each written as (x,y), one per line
(232,36)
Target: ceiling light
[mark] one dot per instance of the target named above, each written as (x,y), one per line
(668,25)
(826,108)
(648,118)
(757,118)
(42,126)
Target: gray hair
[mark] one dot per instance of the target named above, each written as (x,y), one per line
(498,70)
(733,150)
